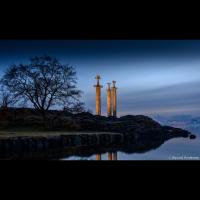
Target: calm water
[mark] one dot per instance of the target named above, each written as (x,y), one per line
(174,149)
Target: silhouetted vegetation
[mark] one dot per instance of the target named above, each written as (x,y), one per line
(44,83)
(7,98)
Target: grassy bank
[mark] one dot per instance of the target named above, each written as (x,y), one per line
(38,133)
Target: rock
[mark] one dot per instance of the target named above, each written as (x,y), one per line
(92,139)
(192,136)
(117,139)
(138,131)
(76,140)
(84,140)
(65,141)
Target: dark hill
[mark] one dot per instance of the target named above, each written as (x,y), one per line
(132,134)
(137,126)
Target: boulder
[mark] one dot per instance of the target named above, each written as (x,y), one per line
(192,136)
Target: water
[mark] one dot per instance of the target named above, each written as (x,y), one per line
(174,149)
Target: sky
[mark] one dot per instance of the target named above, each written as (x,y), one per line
(154,77)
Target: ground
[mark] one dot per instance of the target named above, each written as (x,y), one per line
(8,134)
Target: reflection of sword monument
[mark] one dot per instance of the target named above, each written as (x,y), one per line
(98,96)
(98,156)
(109,155)
(112,155)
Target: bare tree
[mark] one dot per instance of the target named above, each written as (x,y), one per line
(6,98)
(74,107)
(44,82)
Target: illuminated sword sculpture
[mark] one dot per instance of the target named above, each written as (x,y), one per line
(109,101)
(98,96)
(114,99)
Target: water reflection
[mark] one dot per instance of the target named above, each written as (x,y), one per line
(98,156)
(111,156)
(131,149)
(115,156)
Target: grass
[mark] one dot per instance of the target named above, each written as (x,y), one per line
(35,132)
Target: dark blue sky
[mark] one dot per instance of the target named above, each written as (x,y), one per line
(153,76)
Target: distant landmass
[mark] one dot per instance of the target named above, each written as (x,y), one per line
(187,122)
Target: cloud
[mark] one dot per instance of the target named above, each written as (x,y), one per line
(178,98)
(175,97)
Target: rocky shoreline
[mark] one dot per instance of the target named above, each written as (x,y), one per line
(21,145)
(130,133)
